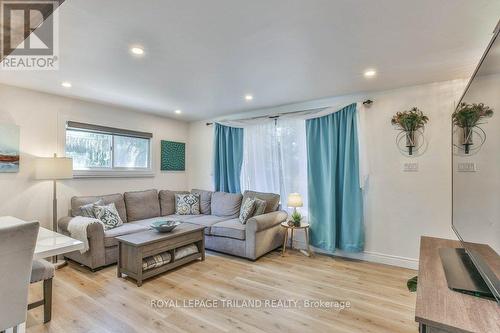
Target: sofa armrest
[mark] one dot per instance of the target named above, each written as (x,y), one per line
(94,230)
(266,221)
(96,255)
(63,223)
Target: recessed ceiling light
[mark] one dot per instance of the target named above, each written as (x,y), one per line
(66,84)
(370,73)
(178,111)
(248,97)
(137,50)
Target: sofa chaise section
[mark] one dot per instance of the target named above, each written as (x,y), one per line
(260,235)
(252,240)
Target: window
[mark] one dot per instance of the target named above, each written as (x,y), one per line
(105,151)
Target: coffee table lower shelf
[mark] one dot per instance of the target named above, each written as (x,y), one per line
(132,249)
(156,271)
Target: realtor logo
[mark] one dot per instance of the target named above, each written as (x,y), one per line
(29,36)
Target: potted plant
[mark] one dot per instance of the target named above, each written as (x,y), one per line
(410,121)
(296,218)
(467,116)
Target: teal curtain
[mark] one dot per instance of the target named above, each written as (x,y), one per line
(228,158)
(335,197)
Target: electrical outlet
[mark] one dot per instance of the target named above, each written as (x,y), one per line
(467,167)
(410,167)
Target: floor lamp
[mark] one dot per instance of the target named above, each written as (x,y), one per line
(54,168)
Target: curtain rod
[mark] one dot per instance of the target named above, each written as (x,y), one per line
(367,103)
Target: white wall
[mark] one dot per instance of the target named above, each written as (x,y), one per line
(399,206)
(41,119)
(199,162)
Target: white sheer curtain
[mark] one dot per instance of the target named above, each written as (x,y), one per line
(275,159)
(292,135)
(261,162)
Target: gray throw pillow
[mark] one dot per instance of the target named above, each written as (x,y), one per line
(260,207)
(187,204)
(108,215)
(205,200)
(88,209)
(247,210)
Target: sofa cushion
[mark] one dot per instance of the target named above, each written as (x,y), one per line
(142,204)
(205,200)
(229,228)
(273,200)
(167,201)
(226,204)
(117,199)
(180,218)
(206,221)
(124,229)
(187,204)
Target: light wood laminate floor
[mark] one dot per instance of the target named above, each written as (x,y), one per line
(101,302)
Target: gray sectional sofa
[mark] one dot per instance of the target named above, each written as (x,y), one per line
(219,214)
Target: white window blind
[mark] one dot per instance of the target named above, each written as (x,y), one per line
(100,151)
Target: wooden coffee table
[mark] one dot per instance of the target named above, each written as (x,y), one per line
(133,248)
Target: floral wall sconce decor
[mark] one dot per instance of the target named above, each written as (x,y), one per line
(466,120)
(410,124)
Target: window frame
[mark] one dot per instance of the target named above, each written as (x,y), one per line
(113,171)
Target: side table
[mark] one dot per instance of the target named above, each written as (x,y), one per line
(304,226)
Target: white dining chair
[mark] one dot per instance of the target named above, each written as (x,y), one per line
(17,244)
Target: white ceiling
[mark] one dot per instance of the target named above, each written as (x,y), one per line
(204,56)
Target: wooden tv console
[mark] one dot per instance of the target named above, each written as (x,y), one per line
(441,310)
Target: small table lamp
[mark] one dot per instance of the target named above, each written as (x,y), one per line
(54,168)
(295,200)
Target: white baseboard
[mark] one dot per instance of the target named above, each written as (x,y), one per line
(380,258)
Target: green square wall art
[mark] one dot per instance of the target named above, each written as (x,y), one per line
(173,156)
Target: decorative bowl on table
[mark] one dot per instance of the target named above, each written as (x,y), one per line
(164,226)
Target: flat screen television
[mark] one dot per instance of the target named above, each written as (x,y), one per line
(476,181)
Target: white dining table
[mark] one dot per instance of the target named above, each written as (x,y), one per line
(48,243)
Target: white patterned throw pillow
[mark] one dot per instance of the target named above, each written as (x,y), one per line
(247,210)
(187,204)
(108,215)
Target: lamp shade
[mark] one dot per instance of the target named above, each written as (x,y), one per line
(295,200)
(53,168)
